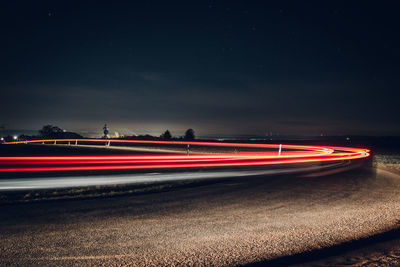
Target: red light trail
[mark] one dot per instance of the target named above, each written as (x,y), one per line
(289,155)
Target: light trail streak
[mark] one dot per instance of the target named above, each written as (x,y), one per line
(104,180)
(288,154)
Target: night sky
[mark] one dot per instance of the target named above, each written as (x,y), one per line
(219,67)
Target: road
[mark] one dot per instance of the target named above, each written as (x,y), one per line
(37,183)
(220,222)
(280,155)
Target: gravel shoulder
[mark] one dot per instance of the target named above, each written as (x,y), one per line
(229,222)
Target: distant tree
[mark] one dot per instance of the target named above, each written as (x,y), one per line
(50,131)
(189,134)
(166,135)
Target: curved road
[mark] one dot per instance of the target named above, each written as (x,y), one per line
(281,154)
(237,220)
(223,222)
(37,183)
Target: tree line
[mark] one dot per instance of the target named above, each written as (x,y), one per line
(189,135)
(55,132)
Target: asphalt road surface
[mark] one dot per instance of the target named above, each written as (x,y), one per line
(219,222)
(56,182)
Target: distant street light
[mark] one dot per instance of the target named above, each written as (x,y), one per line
(15,137)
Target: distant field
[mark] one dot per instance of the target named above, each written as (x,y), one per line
(390,161)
